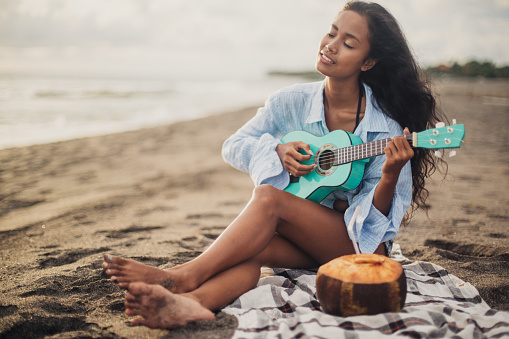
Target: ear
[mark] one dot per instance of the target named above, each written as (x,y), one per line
(368,64)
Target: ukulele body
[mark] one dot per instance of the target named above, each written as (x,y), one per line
(326,178)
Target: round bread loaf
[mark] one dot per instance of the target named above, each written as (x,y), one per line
(361,284)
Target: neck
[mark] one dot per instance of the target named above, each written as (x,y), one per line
(342,94)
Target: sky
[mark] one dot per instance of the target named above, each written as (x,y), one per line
(204,38)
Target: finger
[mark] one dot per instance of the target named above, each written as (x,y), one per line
(398,143)
(388,150)
(303,170)
(299,157)
(402,144)
(406,131)
(398,150)
(300,170)
(306,148)
(405,148)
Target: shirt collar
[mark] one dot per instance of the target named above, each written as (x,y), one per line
(316,112)
(374,120)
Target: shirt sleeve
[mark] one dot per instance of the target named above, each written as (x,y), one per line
(372,227)
(252,148)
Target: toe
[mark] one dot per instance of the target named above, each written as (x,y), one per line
(139,288)
(132,306)
(131,312)
(137,322)
(130,297)
(111,271)
(123,285)
(108,257)
(118,261)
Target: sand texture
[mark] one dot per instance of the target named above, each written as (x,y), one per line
(161,195)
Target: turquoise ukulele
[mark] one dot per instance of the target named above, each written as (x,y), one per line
(340,157)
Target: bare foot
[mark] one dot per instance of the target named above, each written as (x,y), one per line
(125,271)
(159,308)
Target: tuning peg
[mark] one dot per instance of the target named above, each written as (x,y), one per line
(438,154)
(452,153)
(454,121)
(440,124)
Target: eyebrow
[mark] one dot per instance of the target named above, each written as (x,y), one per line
(350,35)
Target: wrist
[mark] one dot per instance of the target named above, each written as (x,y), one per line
(390,177)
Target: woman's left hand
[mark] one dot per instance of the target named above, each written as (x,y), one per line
(397,152)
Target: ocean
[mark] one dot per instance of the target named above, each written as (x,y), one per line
(73,69)
(44,109)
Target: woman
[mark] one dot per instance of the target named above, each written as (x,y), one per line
(372,88)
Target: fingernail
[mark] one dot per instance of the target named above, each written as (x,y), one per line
(114,279)
(110,257)
(310,152)
(108,271)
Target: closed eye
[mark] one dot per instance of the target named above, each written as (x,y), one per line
(347,45)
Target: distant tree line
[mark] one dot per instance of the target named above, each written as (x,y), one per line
(471,69)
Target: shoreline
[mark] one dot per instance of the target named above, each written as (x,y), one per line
(493,91)
(161,195)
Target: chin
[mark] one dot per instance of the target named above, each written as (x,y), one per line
(320,69)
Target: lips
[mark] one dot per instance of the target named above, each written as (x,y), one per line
(326,59)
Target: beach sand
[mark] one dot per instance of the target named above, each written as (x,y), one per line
(161,195)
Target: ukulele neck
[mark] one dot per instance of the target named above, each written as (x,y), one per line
(366,150)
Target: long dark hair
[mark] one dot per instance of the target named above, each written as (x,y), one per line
(400,89)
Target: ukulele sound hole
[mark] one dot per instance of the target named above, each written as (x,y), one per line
(326,160)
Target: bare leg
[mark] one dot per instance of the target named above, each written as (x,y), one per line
(318,231)
(159,308)
(246,236)
(299,234)
(125,271)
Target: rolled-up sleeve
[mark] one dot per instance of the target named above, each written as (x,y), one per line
(253,147)
(372,227)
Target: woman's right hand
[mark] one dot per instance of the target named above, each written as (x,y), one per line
(291,158)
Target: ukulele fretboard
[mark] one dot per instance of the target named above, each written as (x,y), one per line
(362,151)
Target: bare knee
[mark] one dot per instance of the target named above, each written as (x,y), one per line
(266,195)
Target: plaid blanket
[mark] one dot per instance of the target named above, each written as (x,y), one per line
(438,305)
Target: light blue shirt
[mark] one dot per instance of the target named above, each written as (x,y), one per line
(300,107)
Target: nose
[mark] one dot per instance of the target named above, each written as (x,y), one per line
(329,48)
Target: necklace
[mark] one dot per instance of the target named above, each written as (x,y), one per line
(359,104)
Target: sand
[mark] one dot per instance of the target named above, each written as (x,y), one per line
(161,195)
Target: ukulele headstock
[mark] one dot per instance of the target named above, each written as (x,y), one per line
(440,137)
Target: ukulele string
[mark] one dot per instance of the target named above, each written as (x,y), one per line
(354,150)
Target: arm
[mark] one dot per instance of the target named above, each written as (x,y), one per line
(253,147)
(397,153)
(384,196)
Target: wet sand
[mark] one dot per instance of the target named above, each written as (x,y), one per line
(161,195)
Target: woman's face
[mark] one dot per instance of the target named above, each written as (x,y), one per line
(344,49)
